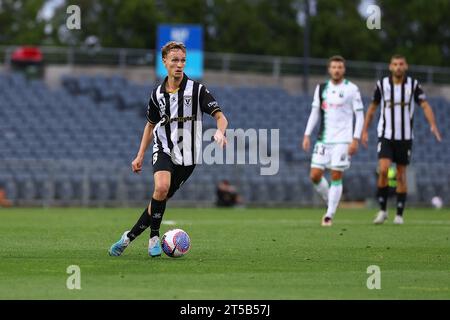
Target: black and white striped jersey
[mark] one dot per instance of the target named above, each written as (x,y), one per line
(397,107)
(178,119)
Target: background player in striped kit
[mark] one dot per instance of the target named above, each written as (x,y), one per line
(334,103)
(397,95)
(174,118)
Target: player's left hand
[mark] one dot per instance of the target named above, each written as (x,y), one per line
(220,138)
(434,130)
(353,147)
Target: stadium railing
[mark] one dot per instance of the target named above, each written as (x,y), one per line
(275,66)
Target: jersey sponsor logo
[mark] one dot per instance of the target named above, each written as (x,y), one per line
(401,104)
(182,119)
(165,119)
(326,106)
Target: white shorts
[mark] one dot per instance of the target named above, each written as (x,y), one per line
(331,156)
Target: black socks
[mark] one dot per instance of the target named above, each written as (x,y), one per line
(146,220)
(157,208)
(142,224)
(401,200)
(382,195)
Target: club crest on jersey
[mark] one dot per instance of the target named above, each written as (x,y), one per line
(188,101)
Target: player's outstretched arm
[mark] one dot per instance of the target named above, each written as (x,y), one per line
(369,116)
(145,142)
(429,115)
(222,124)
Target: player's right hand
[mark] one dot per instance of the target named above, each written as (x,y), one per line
(364,138)
(136,165)
(306,143)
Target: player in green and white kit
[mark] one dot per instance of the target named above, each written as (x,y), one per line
(334,103)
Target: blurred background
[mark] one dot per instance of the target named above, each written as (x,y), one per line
(75,83)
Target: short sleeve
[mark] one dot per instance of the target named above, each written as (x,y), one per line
(376,94)
(316,99)
(153,115)
(208,104)
(419,94)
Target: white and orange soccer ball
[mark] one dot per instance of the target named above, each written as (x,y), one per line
(176,243)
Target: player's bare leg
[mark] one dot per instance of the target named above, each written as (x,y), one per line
(402,189)
(383,189)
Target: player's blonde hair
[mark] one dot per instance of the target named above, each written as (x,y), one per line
(172,45)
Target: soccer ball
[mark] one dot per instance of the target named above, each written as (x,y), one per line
(176,243)
(437,202)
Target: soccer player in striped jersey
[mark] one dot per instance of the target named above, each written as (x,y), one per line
(334,103)
(174,121)
(397,94)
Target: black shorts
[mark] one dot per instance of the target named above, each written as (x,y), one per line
(179,174)
(398,151)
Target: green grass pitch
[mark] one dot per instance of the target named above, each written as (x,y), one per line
(235,254)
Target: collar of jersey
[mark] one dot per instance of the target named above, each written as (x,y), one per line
(181,87)
(173,91)
(344,81)
(391,80)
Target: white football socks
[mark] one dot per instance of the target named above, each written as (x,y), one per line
(334,196)
(322,188)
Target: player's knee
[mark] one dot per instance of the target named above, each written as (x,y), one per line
(161,191)
(383,171)
(336,175)
(315,177)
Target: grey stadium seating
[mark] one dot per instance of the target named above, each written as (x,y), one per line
(74,145)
